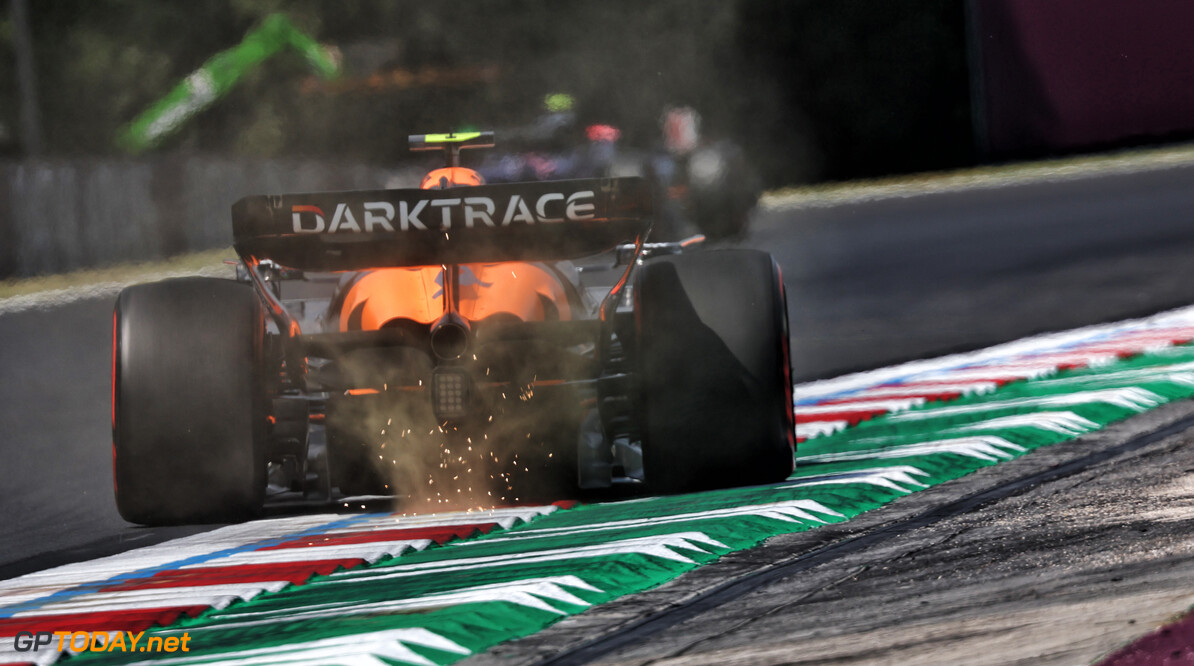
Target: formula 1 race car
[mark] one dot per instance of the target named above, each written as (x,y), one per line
(449,346)
(702,185)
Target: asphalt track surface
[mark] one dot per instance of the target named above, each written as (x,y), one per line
(1059,557)
(877,282)
(869,284)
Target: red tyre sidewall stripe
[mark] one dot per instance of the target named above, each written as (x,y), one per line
(115,377)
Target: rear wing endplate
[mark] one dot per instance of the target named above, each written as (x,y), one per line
(542,221)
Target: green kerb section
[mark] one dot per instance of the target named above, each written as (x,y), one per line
(478,592)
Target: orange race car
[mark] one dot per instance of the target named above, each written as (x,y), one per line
(460,344)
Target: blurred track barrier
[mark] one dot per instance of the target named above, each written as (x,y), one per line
(63,215)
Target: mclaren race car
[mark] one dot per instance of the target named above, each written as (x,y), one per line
(460,344)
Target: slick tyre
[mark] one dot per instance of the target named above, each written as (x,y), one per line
(188,405)
(714,378)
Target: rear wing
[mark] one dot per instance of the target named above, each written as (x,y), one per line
(451,144)
(542,221)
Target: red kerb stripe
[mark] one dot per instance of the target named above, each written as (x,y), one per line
(134,620)
(852,416)
(437,533)
(294,572)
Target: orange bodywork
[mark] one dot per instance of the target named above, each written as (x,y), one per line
(446,177)
(530,292)
(527,291)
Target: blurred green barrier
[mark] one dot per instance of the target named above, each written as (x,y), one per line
(219,75)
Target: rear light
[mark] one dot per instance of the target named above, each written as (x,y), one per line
(450,394)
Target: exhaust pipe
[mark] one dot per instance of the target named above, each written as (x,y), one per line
(450,337)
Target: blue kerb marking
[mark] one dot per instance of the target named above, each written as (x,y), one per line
(91,587)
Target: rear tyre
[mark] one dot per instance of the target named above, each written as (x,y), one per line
(188,403)
(713,371)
